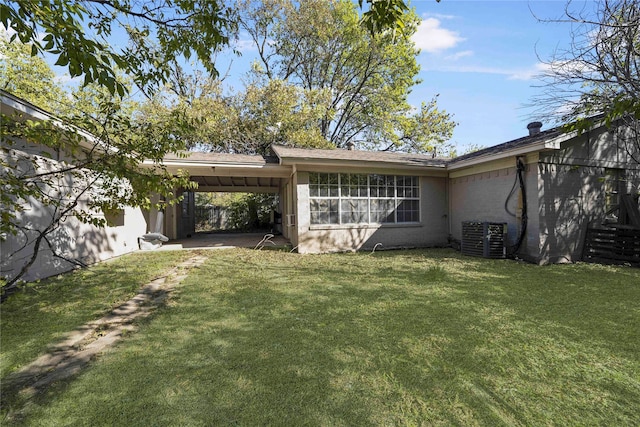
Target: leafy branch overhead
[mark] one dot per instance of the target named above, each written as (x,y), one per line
(186,28)
(598,75)
(151,34)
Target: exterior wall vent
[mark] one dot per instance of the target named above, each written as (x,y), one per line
(484,239)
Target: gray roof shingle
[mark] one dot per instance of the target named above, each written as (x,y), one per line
(401,159)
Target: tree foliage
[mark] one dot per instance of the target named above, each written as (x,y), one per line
(321,47)
(151,34)
(86,167)
(16,62)
(248,121)
(598,75)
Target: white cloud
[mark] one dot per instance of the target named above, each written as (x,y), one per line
(529,73)
(511,73)
(245,45)
(459,55)
(440,16)
(432,38)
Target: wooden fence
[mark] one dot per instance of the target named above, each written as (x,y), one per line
(612,246)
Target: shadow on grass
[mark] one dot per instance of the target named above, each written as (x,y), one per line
(41,314)
(407,338)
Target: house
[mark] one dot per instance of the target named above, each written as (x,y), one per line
(74,240)
(571,182)
(546,188)
(337,200)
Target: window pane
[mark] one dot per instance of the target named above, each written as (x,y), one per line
(408,211)
(382,210)
(382,186)
(323,211)
(353,211)
(408,186)
(313,184)
(334,217)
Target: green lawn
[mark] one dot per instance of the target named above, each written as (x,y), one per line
(393,338)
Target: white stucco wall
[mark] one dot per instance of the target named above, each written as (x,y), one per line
(73,239)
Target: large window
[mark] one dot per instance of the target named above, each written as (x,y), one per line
(363,199)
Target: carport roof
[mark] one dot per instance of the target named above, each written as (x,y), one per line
(220,158)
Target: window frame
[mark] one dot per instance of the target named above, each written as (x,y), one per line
(394,191)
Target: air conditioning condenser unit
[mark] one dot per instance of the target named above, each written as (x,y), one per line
(484,239)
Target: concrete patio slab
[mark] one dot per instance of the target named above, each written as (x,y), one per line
(225,241)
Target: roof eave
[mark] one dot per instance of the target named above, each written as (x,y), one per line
(356,163)
(22,106)
(544,145)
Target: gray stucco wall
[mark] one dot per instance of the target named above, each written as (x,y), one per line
(431,231)
(73,239)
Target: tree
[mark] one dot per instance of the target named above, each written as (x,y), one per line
(598,76)
(16,62)
(245,122)
(320,46)
(88,166)
(155,32)
(61,28)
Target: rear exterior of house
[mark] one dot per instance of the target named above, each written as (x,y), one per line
(546,188)
(73,239)
(344,200)
(570,181)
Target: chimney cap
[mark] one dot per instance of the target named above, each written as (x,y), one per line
(534,128)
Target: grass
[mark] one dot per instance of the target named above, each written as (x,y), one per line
(40,313)
(408,337)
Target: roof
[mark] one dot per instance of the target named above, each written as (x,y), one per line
(523,142)
(221,158)
(297,155)
(11,104)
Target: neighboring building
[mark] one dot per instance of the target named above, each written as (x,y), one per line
(341,200)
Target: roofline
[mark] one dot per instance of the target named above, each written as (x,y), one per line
(543,145)
(286,161)
(23,106)
(383,164)
(213,163)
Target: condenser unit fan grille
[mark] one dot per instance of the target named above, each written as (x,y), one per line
(484,239)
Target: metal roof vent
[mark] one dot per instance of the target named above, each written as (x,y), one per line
(351,146)
(534,128)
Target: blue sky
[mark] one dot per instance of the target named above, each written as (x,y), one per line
(481,57)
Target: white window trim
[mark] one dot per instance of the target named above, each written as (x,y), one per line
(368,198)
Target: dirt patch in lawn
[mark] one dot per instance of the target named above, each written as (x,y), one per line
(80,347)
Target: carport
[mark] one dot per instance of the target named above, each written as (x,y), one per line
(222,172)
